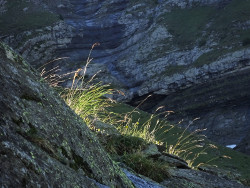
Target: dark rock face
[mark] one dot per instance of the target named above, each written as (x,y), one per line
(43,143)
(93,22)
(42,47)
(222,106)
(157,47)
(244,145)
(180,174)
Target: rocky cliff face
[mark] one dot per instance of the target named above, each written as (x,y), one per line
(166,48)
(43,143)
(222,104)
(40,46)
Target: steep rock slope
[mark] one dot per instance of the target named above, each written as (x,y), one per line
(161,47)
(194,52)
(43,143)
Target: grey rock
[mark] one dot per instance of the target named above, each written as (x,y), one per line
(220,172)
(139,53)
(182,178)
(151,150)
(39,46)
(43,142)
(104,128)
(174,161)
(141,181)
(244,145)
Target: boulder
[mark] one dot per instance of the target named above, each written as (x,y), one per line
(174,161)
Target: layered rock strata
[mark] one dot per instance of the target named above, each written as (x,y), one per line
(160,47)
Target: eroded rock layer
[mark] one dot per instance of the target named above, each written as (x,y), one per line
(160,47)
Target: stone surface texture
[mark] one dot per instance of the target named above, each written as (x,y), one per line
(141,53)
(43,142)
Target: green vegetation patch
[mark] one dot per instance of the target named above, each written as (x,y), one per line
(223,24)
(128,149)
(210,56)
(22,16)
(237,11)
(121,144)
(155,170)
(183,143)
(187,24)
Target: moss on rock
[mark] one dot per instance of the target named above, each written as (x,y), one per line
(35,124)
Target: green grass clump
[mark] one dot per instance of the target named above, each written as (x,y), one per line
(88,101)
(87,98)
(178,141)
(124,144)
(129,150)
(181,141)
(155,170)
(140,124)
(139,128)
(190,146)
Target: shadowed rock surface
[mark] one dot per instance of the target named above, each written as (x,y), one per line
(42,142)
(180,174)
(45,144)
(182,178)
(244,145)
(168,48)
(222,105)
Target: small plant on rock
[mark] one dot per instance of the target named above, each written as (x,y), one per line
(190,146)
(155,170)
(147,129)
(85,97)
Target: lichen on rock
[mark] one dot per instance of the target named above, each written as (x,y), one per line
(43,142)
